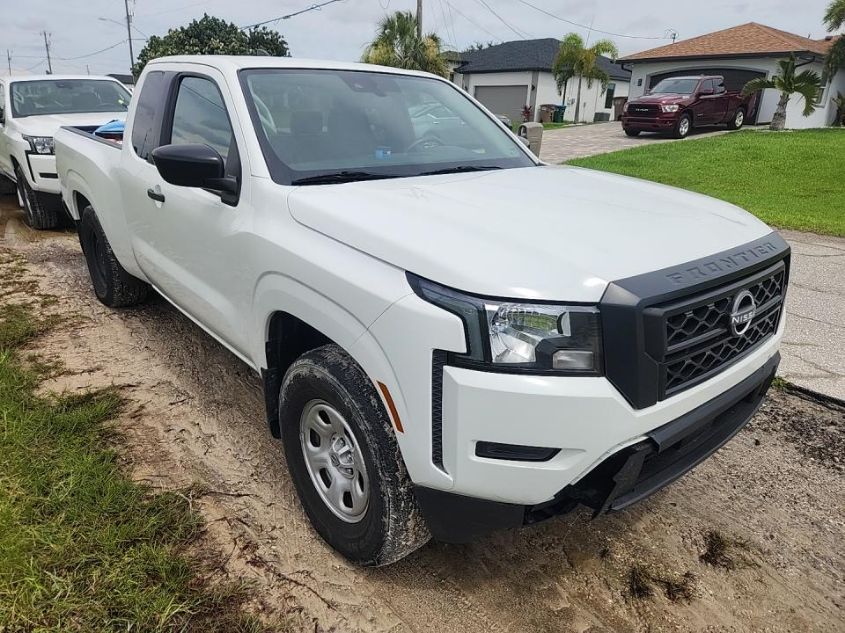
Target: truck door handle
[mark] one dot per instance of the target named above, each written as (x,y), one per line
(152,193)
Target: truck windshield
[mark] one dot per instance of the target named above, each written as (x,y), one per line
(332,126)
(67,96)
(678,86)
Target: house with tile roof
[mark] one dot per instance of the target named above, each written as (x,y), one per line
(740,54)
(508,76)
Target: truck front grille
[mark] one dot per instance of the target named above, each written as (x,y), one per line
(643,109)
(698,339)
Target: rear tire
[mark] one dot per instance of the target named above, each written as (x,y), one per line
(738,120)
(113,286)
(338,437)
(683,126)
(41,210)
(632,133)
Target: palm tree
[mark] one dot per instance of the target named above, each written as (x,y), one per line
(575,59)
(834,18)
(397,44)
(806,83)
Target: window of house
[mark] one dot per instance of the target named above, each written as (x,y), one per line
(608,99)
(200,116)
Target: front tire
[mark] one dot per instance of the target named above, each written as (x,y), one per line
(41,211)
(345,462)
(113,286)
(738,120)
(683,127)
(632,133)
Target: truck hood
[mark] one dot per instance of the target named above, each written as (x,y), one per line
(664,98)
(557,233)
(49,124)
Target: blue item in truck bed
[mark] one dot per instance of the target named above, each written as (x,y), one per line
(112,128)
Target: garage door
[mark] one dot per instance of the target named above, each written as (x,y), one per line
(508,100)
(735,79)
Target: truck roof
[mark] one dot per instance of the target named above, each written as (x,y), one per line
(695,77)
(238,62)
(18,78)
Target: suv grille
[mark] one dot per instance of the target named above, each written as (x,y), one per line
(698,339)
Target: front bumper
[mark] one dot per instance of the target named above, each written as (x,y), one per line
(42,173)
(661,123)
(619,479)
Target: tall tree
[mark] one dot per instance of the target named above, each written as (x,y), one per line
(834,19)
(805,83)
(212,36)
(576,59)
(397,44)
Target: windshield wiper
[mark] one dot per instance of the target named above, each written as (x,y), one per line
(460,169)
(339,177)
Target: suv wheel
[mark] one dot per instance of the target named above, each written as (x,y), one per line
(345,462)
(738,120)
(41,211)
(113,286)
(683,127)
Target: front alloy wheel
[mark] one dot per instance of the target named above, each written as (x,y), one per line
(684,127)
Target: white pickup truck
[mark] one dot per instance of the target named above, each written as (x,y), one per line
(32,109)
(453,336)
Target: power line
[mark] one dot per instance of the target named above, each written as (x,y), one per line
(502,20)
(471,21)
(590,28)
(313,7)
(102,50)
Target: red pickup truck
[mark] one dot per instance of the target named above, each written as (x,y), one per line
(678,104)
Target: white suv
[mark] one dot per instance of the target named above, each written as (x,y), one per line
(32,109)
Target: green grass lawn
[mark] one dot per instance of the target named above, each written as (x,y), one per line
(556,126)
(82,547)
(792,180)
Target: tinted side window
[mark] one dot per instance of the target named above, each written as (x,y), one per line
(200,116)
(708,86)
(146,127)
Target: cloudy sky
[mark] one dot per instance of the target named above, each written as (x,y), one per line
(80,29)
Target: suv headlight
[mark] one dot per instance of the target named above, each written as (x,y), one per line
(40,144)
(672,107)
(521,335)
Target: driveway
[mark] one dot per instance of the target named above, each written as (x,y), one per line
(577,141)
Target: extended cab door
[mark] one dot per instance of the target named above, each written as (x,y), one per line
(187,240)
(705,103)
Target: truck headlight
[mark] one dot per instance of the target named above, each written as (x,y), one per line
(40,144)
(521,336)
(672,107)
(625,107)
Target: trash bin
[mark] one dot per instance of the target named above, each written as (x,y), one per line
(559,111)
(547,112)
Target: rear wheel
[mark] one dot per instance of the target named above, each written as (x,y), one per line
(632,132)
(113,286)
(683,127)
(41,210)
(345,462)
(738,120)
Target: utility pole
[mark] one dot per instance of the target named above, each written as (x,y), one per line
(9,59)
(47,47)
(129,35)
(87,69)
(419,19)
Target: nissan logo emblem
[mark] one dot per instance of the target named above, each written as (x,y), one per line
(742,313)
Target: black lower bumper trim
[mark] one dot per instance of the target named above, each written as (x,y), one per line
(622,479)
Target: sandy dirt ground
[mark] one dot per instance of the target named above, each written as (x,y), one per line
(752,540)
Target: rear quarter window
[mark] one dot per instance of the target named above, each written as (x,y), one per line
(146,126)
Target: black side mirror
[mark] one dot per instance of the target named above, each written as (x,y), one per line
(195,165)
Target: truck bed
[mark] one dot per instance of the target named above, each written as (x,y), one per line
(88,132)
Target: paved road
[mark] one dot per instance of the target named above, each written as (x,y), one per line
(567,143)
(814,346)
